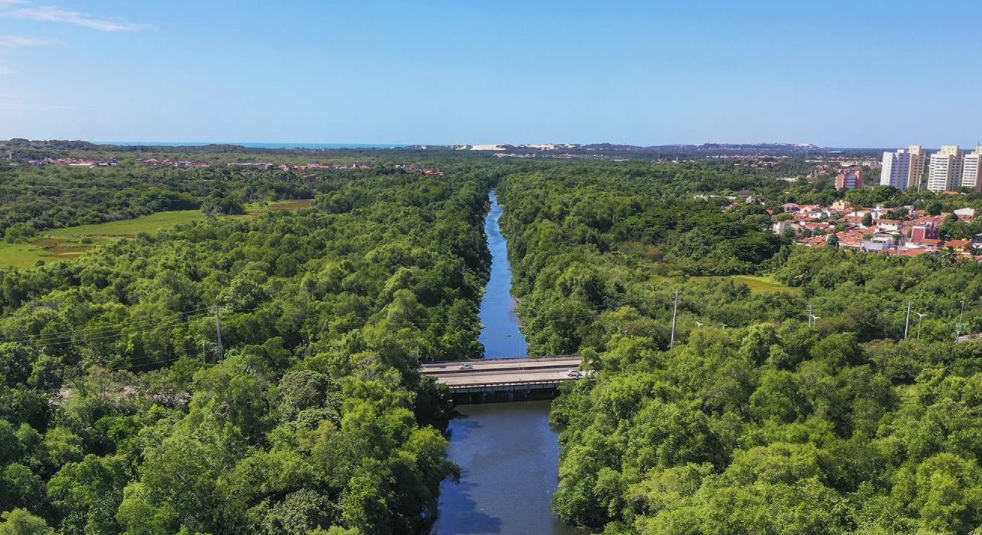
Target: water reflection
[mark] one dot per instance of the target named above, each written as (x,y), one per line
(508,452)
(501,335)
(508,456)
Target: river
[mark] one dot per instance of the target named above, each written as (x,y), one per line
(508,453)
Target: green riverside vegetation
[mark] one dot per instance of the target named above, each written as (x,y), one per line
(118,413)
(754,422)
(121,413)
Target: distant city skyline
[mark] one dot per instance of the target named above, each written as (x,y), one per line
(316,144)
(450,73)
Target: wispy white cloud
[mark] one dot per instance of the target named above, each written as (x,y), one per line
(20,9)
(5,71)
(14,102)
(16,41)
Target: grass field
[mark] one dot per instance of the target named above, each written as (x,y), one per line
(255,210)
(128,227)
(298,204)
(71,242)
(758,285)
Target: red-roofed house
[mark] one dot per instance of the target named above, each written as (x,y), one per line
(923,232)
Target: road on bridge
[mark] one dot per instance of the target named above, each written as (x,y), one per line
(487,373)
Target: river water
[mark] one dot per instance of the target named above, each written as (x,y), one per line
(501,336)
(508,453)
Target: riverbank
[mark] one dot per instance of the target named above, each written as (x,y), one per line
(508,452)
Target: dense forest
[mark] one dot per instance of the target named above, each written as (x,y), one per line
(37,198)
(583,244)
(818,405)
(759,418)
(122,412)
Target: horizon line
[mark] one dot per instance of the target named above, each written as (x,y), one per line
(307,144)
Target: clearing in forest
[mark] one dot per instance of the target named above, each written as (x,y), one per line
(758,284)
(71,242)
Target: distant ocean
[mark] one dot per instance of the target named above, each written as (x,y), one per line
(256,145)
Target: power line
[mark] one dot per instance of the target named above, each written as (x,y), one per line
(907,322)
(59,337)
(88,331)
(86,336)
(675,313)
(218,329)
(108,334)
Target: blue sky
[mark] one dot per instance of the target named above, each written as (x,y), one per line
(835,73)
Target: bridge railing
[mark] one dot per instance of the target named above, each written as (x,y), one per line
(497,360)
(509,385)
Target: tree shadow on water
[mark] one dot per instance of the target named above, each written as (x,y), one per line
(459,514)
(461,426)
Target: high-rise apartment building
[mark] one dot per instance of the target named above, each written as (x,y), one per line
(895,169)
(972,170)
(946,169)
(918,161)
(903,169)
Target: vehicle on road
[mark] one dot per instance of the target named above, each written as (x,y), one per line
(573,373)
(466,366)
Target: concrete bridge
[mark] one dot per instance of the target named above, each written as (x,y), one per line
(504,379)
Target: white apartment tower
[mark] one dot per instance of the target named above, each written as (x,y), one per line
(972,170)
(903,169)
(918,161)
(895,169)
(946,169)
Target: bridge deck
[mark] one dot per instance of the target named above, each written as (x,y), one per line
(503,374)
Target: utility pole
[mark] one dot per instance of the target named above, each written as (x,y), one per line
(812,317)
(675,314)
(961,315)
(907,323)
(218,330)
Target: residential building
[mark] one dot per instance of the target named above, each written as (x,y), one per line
(965,214)
(895,169)
(781,226)
(918,162)
(923,233)
(946,169)
(960,245)
(889,225)
(903,169)
(849,178)
(972,170)
(881,241)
